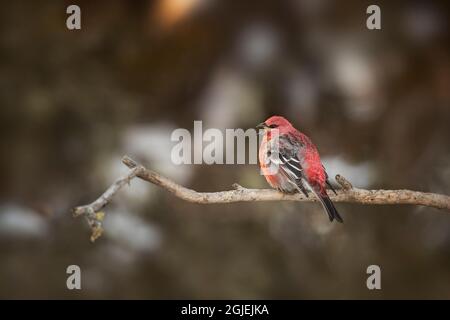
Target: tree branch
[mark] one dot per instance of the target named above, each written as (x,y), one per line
(240,194)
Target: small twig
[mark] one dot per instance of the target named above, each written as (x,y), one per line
(345,184)
(347,194)
(92,211)
(237,186)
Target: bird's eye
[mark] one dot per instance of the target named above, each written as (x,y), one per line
(273,126)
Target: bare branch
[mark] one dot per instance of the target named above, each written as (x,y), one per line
(240,194)
(92,211)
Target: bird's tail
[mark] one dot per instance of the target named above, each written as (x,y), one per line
(329,208)
(326,202)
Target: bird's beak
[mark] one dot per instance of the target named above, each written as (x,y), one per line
(262,125)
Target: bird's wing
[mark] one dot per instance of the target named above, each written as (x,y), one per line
(289,165)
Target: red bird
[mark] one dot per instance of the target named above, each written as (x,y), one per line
(291,163)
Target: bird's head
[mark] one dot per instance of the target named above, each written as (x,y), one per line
(275,122)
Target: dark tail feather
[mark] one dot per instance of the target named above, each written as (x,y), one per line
(325,201)
(330,208)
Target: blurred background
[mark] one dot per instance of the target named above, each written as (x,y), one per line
(377,104)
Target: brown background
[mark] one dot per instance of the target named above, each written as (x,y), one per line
(72,102)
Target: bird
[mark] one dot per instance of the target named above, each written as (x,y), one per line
(290,162)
